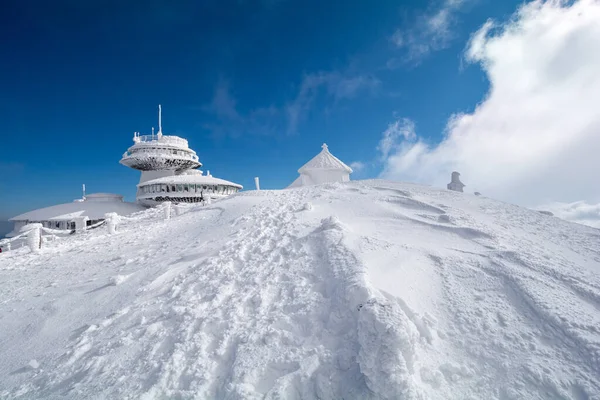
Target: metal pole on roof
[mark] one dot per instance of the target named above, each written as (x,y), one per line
(159,120)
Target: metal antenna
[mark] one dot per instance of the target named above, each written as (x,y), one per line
(159,120)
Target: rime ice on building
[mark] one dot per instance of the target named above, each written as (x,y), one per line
(169,170)
(323,168)
(455,183)
(74,216)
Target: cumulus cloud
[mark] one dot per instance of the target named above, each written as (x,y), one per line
(579,211)
(432,31)
(535,138)
(395,137)
(336,85)
(357,166)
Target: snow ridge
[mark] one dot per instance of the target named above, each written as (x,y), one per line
(364,290)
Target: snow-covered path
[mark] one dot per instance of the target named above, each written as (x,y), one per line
(370,289)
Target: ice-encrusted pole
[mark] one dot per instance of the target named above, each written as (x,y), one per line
(81,224)
(257,183)
(34,238)
(159,121)
(167,206)
(112,219)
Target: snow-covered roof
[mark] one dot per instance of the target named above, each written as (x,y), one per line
(325,160)
(90,207)
(296,183)
(196,179)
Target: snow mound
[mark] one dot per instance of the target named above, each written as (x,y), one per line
(382,291)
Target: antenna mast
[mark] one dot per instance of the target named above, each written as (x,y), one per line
(159,120)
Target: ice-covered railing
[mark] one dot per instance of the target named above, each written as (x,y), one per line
(32,234)
(162,153)
(163,139)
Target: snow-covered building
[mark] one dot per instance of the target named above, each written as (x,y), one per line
(455,183)
(92,207)
(323,168)
(169,170)
(188,187)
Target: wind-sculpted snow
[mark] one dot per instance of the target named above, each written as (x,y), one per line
(363,290)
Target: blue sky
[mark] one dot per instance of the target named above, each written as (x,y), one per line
(255,86)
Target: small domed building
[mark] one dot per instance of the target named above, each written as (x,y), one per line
(323,168)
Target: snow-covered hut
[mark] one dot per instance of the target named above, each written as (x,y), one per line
(64,216)
(455,183)
(323,168)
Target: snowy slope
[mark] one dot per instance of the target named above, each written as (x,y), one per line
(369,289)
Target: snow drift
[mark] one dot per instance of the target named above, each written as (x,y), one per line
(361,290)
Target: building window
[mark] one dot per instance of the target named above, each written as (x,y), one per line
(180,188)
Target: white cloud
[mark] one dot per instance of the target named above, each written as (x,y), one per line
(403,129)
(336,85)
(432,31)
(357,166)
(579,211)
(535,138)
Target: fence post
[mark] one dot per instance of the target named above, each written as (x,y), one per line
(34,240)
(112,219)
(81,224)
(167,205)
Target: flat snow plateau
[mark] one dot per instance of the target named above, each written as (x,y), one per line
(364,290)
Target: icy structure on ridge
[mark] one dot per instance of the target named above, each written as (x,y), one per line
(455,183)
(169,170)
(323,168)
(66,216)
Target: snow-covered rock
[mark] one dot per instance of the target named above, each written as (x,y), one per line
(382,291)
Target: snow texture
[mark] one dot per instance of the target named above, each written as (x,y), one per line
(361,290)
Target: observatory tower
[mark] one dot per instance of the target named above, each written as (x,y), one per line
(159,155)
(169,170)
